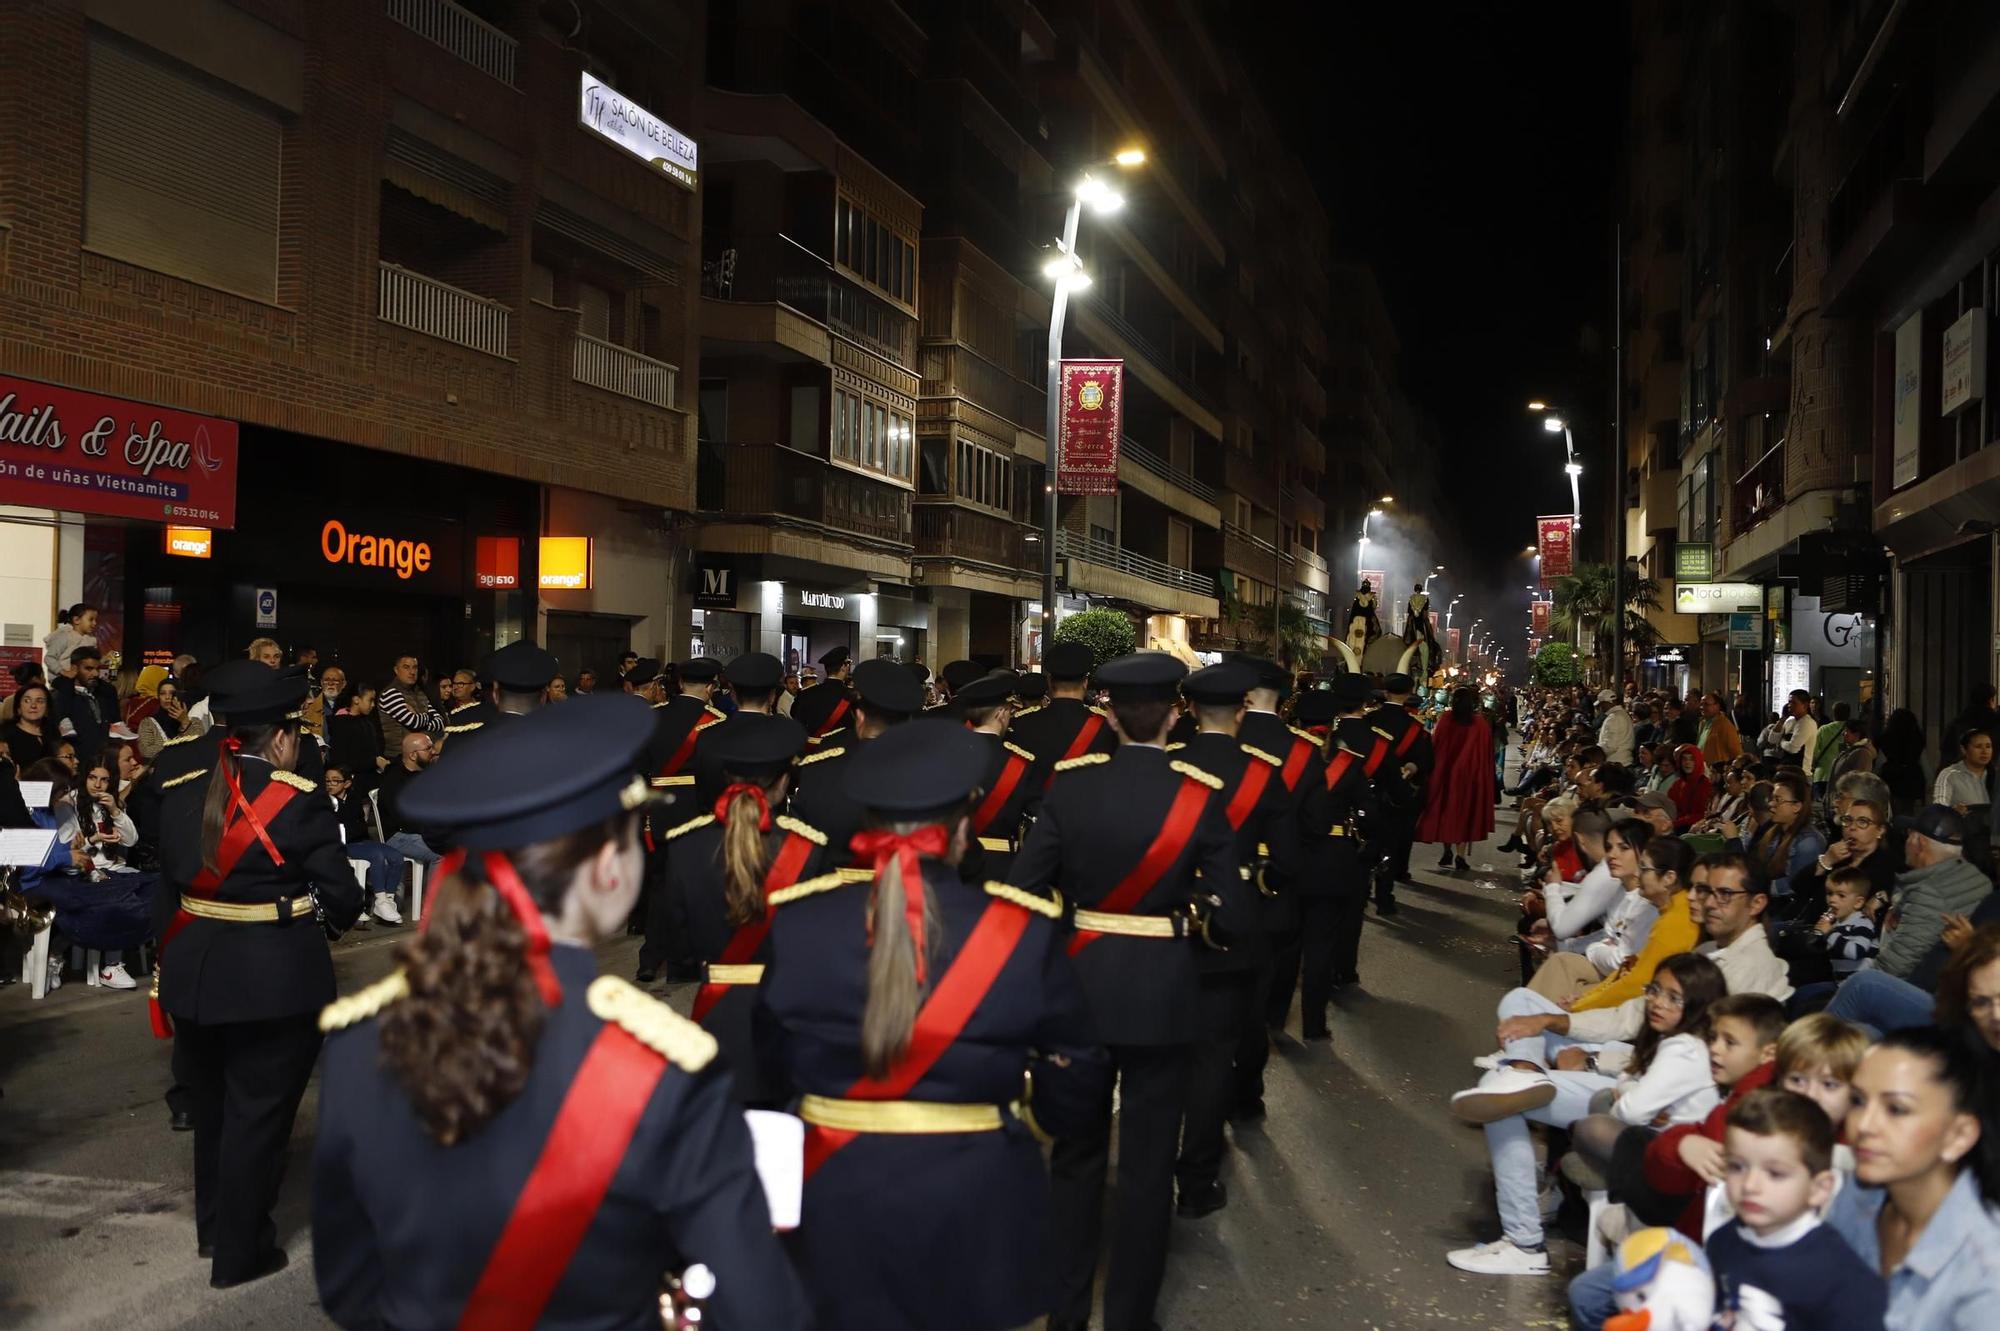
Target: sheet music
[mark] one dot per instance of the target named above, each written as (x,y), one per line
(30,846)
(35,794)
(780,1143)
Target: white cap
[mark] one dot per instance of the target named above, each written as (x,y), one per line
(1606,695)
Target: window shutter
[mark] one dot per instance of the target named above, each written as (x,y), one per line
(179,175)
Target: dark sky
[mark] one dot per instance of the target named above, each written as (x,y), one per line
(1470,153)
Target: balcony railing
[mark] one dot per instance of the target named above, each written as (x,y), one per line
(1103,553)
(758,480)
(616,369)
(1146,347)
(778,268)
(1159,466)
(461,32)
(439,310)
(1759,491)
(1249,554)
(948,531)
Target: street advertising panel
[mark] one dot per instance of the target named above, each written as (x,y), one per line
(1089,422)
(606,112)
(1553,541)
(1789,671)
(106,456)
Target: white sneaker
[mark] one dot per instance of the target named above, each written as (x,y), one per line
(55,974)
(1489,1062)
(1501,1093)
(115,977)
(1500,1258)
(385,909)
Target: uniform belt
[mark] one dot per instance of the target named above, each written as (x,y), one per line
(996,843)
(897,1116)
(249,912)
(1132,926)
(718,973)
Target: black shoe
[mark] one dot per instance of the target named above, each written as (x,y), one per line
(1200,1200)
(269,1264)
(1512,843)
(1250,1111)
(1444,860)
(1460,865)
(181,1120)
(1385,907)
(646,975)
(1314,1037)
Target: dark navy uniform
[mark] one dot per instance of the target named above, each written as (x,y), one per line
(1052,730)
(885,691)
(518,668)
(827,712)
(468,718)
(244,967)
(931,1210)
(1408,743)
(669,762)
(1392,801)
(1137,962)
(1235,982)
(411,1232)
(1301,770)
(1011,790)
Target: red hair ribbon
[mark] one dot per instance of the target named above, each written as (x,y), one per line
(880,845)
(755,792)
(232,775)
(500,873)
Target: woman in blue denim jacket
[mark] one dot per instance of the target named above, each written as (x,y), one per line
(1788,845)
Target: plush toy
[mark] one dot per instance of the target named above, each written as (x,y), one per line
(1663,1284)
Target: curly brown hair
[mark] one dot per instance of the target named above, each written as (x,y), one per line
(463,1042)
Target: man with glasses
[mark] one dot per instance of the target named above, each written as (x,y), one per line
(1729,908)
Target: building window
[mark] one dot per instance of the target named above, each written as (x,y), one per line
(872,252)
(871,436)
(180,174)
(984,477)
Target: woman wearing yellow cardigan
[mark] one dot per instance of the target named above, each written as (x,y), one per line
(1665,874)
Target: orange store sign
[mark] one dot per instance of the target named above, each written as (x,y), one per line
(565,563)
(337,545)
(190,542)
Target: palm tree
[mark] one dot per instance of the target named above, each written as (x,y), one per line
(1584,604)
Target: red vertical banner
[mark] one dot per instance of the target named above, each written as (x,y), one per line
(1553,539)
(1088,424)
(1451,642)
(1538,618)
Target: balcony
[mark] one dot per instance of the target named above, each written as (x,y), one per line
(946,531)
(1309,570)
(1251,555)
(1759,492)
(435,309)
(779,270)
(461,32)
(762,480)
(1107,570)
(1145,457)
(1659,498)
(1251,478)
(616,369)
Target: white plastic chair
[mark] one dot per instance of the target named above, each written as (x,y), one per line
(35,965)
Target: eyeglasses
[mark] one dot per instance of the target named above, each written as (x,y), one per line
(1777,800)
(1671,997)
(1852,821)
(1723,894)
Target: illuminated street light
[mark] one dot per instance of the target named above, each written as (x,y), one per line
(1553,424)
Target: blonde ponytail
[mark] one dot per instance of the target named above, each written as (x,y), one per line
(743,859)
(894,992)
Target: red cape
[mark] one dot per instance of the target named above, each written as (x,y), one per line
(1459,806)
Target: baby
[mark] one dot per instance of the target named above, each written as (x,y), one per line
(1845,930)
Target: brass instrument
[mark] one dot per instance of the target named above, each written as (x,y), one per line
(682,1297)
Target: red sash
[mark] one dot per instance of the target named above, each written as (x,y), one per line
(1295,762)
(1175,832)
(595,1125)
(679,757)
(785,868)
(244,824)
(833,719)
(1003,790)
(1335,770)
(1255,778)
(1409,738)
(1376,753)
(959,992)
(1086,735)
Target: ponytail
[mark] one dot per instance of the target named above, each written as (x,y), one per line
(462,1044)
(898,979)
(228,777)
(745,813)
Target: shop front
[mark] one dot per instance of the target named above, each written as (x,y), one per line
(749,603)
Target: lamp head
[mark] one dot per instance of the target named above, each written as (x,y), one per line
(1553,424)
(1101,197)
(1130,157)
(1538,405)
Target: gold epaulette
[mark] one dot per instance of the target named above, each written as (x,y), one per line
(305,785)
(1383,733)
(462,707)
(1262,756)
(662,782)
(185,737)
(1305,735)
(1033,901)
(701,821)
(1101,712)
(1176,746)
(1024,711)
(658,705)
(811,758)
(825,882)
(364,1003)
(465,729)
(804,829)
(1016,750)
(1085,760)
(651,1022)
(183,778)
(853,875)
(1193,773)
(715,713)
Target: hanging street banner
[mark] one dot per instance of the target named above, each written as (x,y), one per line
(1538,618)
(1089,423)
(1552,542)
(103,455)
(1451,643)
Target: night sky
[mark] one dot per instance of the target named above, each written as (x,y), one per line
(1470,153)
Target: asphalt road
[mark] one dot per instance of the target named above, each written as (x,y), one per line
(1342,1203)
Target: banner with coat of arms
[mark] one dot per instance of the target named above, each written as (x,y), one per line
(1088,425)
(1553,541)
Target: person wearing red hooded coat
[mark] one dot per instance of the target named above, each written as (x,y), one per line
(1691,789)
(1459,807)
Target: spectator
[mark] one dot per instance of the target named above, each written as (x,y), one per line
(626,660)
(354,740)
(558,689)
(402,709)
(1864,845)
(1680,726)
(1967,984)
(65,755)
(1771,739)
(1720,743)
(1749,717)
(1614,729)
(1691,788)
(325,702)
(1826,746)
(385,863)
(30,736)
(87,702)
(1644,732)
(166,722)
(305,659)
(90,818)
(1902,748)
(1978,713)
(1938,883)
(1657,810)
(131,765)
(1846,934)
(1785,847)
(75,627)
(1967,784)
(1855,753)
(419,751)
(265,651)
(145,697)
(1799,740)
(586,682)
(1926,1137)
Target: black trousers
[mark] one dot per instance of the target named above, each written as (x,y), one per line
(244,1081)
(1350,909)
(1228,1005)
(1152,1089)
(1397,834)
(662,947)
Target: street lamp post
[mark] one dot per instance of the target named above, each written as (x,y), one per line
(1361,546)
(1067,270)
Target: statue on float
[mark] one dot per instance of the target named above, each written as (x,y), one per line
(1363,627)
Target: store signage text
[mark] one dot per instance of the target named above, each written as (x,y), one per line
(822,600)
(1906,435)
(1962,373)
(1717,598)
(715,583)
(1694,561)
(190,542)
(339,546)
(68,450)
(497,563)
(613,116)
(565,563)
